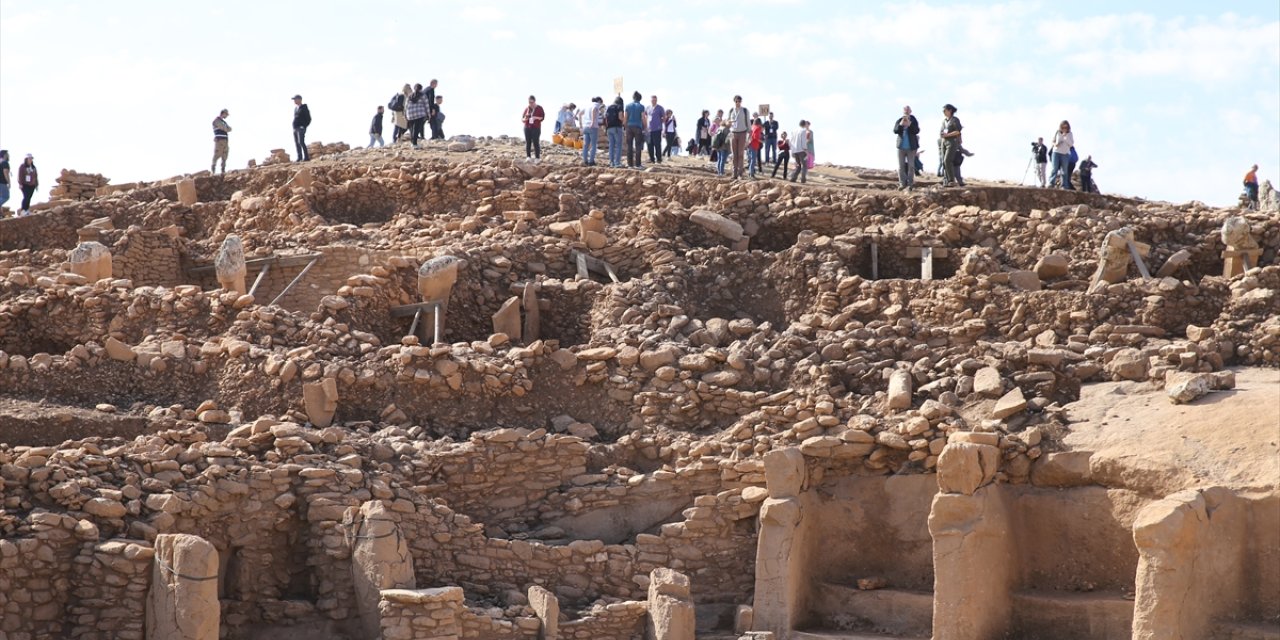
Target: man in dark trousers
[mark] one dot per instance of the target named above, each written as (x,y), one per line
(532,119)
(375,128)
(301,120)
(907,134)
(221,140)
(436,132)
(771,141)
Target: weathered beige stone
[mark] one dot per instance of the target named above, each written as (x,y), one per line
(718,224)
(436,278)
(546,606)
(183,601)
(1052,266)
(380,560)
(187,194)
(92,260)
(320,401)
(973,559)
(532,313)
(1009,404)
(1024,280)
(507,320)
(784,472)
(229,265)
(963,467)
(900,390)
(987,382)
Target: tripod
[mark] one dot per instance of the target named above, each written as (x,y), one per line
(1030,161)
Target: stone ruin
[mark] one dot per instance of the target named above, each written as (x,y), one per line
(660,405)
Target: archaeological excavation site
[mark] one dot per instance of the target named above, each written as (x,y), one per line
(447,393)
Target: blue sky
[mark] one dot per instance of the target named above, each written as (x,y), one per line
(1174,100)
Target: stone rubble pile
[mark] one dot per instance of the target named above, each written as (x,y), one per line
(72,185)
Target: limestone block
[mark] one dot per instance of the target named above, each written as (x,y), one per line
(784,472)
(595,240)
(1062,469)
(117,350)
(1237,235)
(230,266)
(187,194)
(1114,257)
(183,601)
(900,390)
(92,260)
(1182,387)
(436,278)
(532,313)
(963,467)
(1175,262)
(780,557)
(380,560)
(303,178)
(716,223)
(973,558)
(1009,404)
(669,582)
(742,617)
(1128,364)
(987,382)
(546,606)
(1170,534)
(670,619)
(1054,265)
(1024,280)
(507,320)
(320,400)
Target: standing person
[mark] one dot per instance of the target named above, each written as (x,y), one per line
(770,141)
(532,119)
(704,132)
(754,145)
(1250,185)
(800,151)
(437,119)
(657,116)
(1041,154)
(433,102)
(28,181)
(613,131)
(784,156)
(949,135)
(416,111)
(739,125)
(636,126)
(1063,142)
(397,105)
(669,127)
(221,143)
(4,177)
(1086,174)
(809,157)
(375,128)
(720,149)
(591,122)
(301,120)
(907,129)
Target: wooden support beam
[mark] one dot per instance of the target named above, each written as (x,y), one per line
(587,264)
(261,274)
(279,261)
(1137,259)
(296,279)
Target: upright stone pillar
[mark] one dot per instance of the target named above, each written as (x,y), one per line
(532,313)
(672,615)
(379,560)
(780,591)
(92,260)
(229,265)
(436,278)
(183,602)
(187,193)
(973,556)
(320,400)
(507,319)
(547,607)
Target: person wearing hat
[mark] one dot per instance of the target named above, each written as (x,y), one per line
(949,136)
(221,141)
(591,121)
(28,181)
(301,120)
(4,177)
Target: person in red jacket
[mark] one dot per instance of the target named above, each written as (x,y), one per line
(756,142)
(532,119)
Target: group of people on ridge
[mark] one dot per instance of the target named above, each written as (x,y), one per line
(412,110)
(1065,160)
(28,181)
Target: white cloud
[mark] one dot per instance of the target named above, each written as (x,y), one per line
(482,14)
(502,34)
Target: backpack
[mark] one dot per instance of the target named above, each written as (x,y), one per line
(397,102)
(613,116)
(721,139)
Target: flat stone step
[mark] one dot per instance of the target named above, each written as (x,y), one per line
(848,635)
(893,611)
(1054,615)
(1246,631)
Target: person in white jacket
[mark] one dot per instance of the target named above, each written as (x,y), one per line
(1062,143)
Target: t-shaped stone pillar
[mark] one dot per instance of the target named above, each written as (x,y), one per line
(379,560)
(183,602)
(1242,250)
(229,265)
(780,551)
(92,260)
(320,400)
(671,612)
(1115,255)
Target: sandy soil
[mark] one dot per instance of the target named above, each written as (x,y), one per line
(1141,440)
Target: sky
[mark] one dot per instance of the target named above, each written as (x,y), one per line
(1174,99)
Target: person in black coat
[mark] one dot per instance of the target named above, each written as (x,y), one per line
(301,120)
(375,128)
(906,132)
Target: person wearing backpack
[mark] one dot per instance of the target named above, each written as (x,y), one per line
(613,131)
(301,120)
(720,147)
(398,118)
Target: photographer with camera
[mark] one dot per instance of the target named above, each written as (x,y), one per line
(1041,154)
